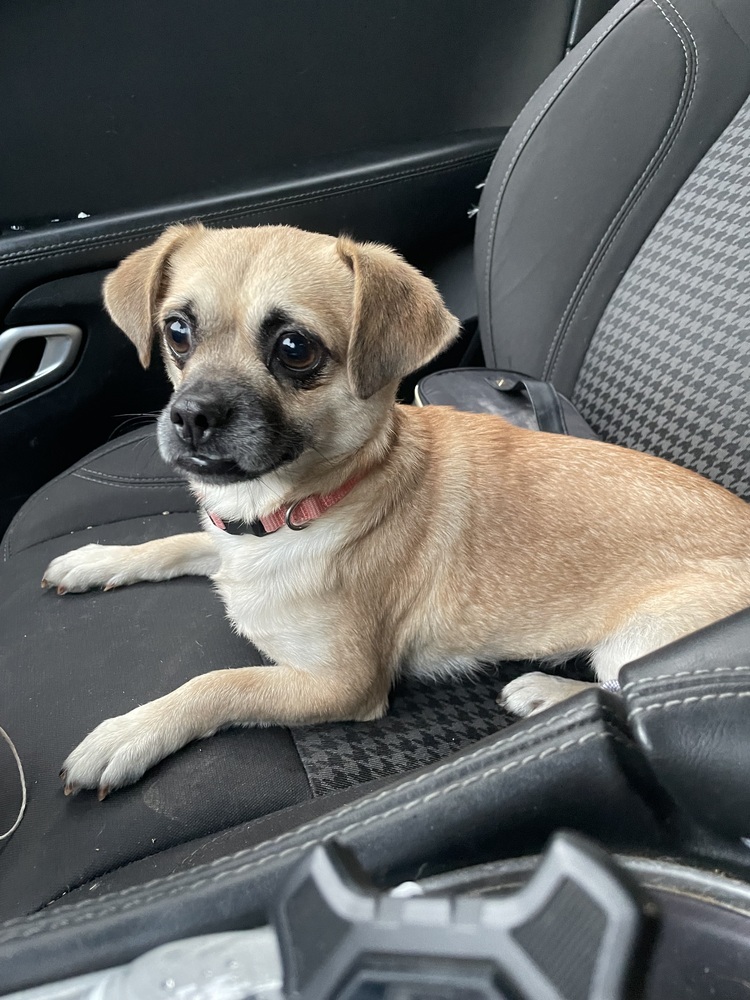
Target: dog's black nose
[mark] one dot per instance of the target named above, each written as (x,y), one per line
(196,419)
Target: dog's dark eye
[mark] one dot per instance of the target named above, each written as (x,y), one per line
(297,351)
(179,334)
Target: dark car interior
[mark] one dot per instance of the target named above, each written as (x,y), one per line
(575,177)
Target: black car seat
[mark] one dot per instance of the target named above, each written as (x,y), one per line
(612,257)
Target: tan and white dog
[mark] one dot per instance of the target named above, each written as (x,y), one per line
(285,349)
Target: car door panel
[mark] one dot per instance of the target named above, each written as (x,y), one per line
(409,196)
(123,106)
(424,190)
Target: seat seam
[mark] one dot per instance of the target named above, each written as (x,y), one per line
(691,699)
(311,790)
(120,905)
(134,480)
(524,140)
(144,484)
(607,241)
(321,194)
(124,486)
(682,673)
(729,25)
(101,524)
(137,485)
(371,800)
(35,498)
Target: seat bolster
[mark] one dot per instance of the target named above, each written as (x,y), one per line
(590,165)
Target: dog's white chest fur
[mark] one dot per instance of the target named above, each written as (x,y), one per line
(277,589)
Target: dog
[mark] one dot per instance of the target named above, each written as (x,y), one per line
(354,540)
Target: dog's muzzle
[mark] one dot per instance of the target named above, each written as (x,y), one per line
(224,436)
(196,422)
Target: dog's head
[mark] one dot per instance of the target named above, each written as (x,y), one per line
(279,343)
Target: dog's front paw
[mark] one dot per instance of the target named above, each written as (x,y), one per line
(532,693)
(116,753)
(91,566)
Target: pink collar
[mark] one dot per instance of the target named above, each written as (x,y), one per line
(297,516)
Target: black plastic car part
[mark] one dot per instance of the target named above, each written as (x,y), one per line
(580,929)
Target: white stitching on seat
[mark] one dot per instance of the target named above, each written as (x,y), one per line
(14,257)
(132,479)
(683,673)
(521,145)
(610,234)
(687,28)
(125,486)
(672,703)
(344,811)
(120,906)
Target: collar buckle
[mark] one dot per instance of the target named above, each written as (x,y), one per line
(288,518)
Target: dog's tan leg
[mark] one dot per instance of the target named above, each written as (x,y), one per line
(120,750)
(111,566)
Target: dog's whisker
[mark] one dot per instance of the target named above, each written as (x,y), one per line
(143,444)
(144,413)
(327,460)
(134,420)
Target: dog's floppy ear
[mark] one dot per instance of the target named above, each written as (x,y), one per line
(132,291)
(400,322)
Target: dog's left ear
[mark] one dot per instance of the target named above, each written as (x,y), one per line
(133,290)
(400,322)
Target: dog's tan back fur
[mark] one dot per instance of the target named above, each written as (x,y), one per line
(523,511)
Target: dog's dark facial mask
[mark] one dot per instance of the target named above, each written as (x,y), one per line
(226,426)
(283,346)
(226,432)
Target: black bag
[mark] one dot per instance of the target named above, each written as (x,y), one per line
(519,399)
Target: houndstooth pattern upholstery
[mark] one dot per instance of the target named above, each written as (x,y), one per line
(424,723)
(668,370)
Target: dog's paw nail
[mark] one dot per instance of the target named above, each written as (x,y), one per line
(71,789)
(61,590)
(44,583)
(103,793)
(63,773)
(109,586)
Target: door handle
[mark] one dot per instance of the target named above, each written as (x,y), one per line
(59,344)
